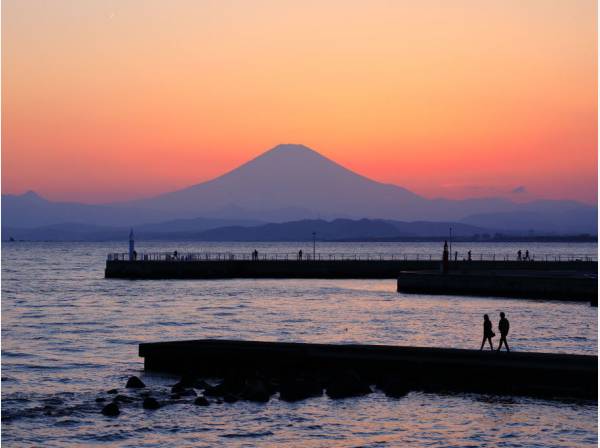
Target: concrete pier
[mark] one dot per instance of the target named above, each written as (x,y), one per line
(545,285)
(415,368)
(330,268)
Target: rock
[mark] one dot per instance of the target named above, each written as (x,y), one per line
(122,399)
(256,390)
(113,391)
(182,390)
(188,393)
(177,388)
(394,387)
(111,410)
(201,384)
(233,384)
(201,401)
(295,389)
(175,396)
(135,383)
(150,403)
(190,381)
(347,384)
(100,399)
(230,398)
(215,391)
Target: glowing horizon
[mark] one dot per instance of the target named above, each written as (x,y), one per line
(118,100)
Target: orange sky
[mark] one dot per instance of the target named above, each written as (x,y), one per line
(106,100)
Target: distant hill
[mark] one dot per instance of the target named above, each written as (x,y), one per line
(208,230)
(338,229)
(174,229)
(293,182)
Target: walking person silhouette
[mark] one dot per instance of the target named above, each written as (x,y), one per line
(503,326)
(488,334)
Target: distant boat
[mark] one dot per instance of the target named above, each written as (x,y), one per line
(11,239)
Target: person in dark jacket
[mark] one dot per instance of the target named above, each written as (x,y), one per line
(488,334)
(503,326)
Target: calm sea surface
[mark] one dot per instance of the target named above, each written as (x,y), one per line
(69,335)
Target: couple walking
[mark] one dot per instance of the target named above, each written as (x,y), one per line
(488,334)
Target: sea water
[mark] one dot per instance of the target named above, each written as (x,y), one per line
(69,335)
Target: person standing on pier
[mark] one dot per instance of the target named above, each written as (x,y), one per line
(445,256)
(488,334)
(300,254)
(503,326)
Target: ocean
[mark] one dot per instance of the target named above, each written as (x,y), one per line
(69,335)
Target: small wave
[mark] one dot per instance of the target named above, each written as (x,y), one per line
(16,354)
(247,435)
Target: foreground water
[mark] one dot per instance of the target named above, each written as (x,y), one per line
(68,335)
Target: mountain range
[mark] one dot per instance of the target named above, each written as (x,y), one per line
(290,183)
(210,230)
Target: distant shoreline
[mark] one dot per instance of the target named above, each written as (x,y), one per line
(503,239)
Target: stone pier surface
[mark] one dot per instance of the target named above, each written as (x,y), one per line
(544,285)
(335,269)
(411,368)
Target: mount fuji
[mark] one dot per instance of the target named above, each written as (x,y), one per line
(293,182)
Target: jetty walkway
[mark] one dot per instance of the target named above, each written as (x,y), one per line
(336,265)
(392,368)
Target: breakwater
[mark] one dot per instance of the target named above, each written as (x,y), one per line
(347,370)
(531,284)
(182,268)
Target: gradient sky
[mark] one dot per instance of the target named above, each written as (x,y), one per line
(107,100)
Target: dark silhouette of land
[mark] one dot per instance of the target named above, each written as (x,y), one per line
(338,230)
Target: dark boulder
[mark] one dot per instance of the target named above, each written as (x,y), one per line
(295,389)
(111,410)
(215,391)
(233,384)
(191,381)
(230,398)
(201,401)
(135,383)
(201,384)
(188,393)
(182,390)
(113,391)
(347,384)
(100,399)
(256,390)
(178,388)
(150,403)
(394,387)
(188,381)
(123,399)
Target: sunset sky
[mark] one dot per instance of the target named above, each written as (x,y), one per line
(111,100)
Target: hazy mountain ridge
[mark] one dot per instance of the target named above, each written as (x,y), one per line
(293,182)
(206,230)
